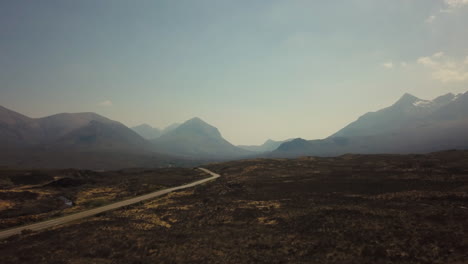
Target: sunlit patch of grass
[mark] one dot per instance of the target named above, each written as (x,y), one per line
(4,204)
(267,221)
(252,168)
(144,220)
(259,204)
(167,199)
(181,207)
(112,228)
(417,195)
(107,193)
(20,190)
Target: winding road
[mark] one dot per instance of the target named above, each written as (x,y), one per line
(73,217)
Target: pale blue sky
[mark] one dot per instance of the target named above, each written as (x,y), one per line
(255,69)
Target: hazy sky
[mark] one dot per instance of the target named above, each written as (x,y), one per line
(256,69)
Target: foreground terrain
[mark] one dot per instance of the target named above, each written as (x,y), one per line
(28,196)
(349,209)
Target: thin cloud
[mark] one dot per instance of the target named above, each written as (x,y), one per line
(105,103)
(450,7)
(456,3)
(445,69)
(388,65)
(439,54)
(430,19)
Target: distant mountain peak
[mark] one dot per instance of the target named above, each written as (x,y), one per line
(198,126)
(196,138)
(12,117)
(407,99)
(195,120)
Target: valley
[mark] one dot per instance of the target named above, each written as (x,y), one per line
(234,132)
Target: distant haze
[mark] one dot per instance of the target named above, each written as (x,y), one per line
(253,69)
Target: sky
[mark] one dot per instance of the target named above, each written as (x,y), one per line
(255,69)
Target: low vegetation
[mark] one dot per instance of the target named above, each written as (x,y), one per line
(348,209)
(32,195)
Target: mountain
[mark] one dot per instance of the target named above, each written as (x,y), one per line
(81,140)
(17,130)
(147,131)
(96,135)
(269,145)
(411,125)
(170,128)
(403,113)
(64,131)
(197,139)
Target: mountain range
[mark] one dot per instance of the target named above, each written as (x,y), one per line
(411,125)
(268,146)
(81,131)
(88,140)
(80,140)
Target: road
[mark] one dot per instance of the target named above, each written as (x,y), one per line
(73,217)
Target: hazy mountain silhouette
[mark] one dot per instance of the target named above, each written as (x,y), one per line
(80,130)
(269,145)
(17,130)
(411,125)
(102,136)
(403,113)
(88,140)
(81,140)
(196,138)
(147,131)
(170,128)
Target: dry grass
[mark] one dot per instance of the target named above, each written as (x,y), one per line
(361,209)
(6,205)
(31,196)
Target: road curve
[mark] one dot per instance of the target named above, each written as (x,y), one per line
(66,219)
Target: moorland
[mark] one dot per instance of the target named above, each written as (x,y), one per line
(346,209)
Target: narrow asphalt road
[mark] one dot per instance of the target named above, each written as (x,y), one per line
(65,219)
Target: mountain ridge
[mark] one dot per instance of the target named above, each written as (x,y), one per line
(268,145)
(410,125)
(147,131)
(78,140)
